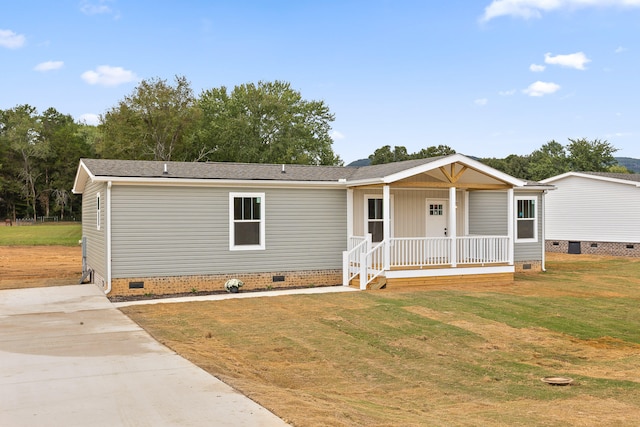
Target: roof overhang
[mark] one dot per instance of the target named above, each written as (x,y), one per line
(589,176)
(437,164)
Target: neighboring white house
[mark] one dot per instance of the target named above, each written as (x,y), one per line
(168,227)
(594,213)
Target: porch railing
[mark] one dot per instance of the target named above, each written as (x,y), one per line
(372,264)
(419,252)
(351,259)
(482,249)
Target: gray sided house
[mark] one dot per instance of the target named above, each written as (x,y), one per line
(169,227)
(594,213)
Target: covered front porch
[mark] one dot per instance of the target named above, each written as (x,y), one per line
(450,222)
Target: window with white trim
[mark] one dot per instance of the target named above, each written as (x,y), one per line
(526,219)
(374,216)
(375,222)
(98,211)
(246,221)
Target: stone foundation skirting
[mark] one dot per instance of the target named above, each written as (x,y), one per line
(629,249)
(528,266)
(252,281)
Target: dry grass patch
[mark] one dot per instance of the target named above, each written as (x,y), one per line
(440,356)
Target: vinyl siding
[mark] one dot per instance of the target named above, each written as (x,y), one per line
(488,216)
(96,241)
(583,209)
(169,231)
(488,213)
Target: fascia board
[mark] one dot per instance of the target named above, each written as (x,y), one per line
(589,176)
(190,182)
(82,175)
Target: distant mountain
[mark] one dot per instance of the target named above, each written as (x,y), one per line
(632,164)
(361,162)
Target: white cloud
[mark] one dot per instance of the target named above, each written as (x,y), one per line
(620,49)
(11,40)
(481,102)
(336,135)
(48,66)
(527,9)
(106,75)
(507,92)
(537,68)
(573,60)
(89,119)
(89,8)
(541,88)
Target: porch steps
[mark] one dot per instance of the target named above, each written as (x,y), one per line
(379,283)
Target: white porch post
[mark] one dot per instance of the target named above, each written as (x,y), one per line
(349,212)
(453,232)
(386,228)
(510,223)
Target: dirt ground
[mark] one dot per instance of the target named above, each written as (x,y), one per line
(305,401)
(38,266)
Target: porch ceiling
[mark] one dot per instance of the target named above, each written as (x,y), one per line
(453,175)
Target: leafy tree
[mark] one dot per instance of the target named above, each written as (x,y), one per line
(513,165)
(152,123)
(265,123)
(68,142)
(433,151)
(399,153)
(550,160)
(21,132)
(386,155)
(591,156)
(618,169)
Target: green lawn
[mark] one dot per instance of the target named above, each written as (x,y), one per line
(47,234)
(459,357)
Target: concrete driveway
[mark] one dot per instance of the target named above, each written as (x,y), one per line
(69,358)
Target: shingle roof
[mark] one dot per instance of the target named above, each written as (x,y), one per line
(623,176)
(200,170)
(386,169)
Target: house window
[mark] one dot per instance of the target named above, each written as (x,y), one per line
(526,219)
(246,221)
(375,223)
(98,211)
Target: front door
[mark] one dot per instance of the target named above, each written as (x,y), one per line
(437,218)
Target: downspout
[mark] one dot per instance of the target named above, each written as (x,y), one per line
(544,233)
(108,236)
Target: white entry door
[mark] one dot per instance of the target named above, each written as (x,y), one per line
(437,218)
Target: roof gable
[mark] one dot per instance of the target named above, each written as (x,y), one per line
(620,178)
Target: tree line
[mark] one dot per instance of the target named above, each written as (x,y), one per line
(267,122)
(549,160)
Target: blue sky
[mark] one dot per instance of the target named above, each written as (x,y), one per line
(488,78)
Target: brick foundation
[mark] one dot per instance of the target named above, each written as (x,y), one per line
(629,249)
(252,281)
(528,266)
